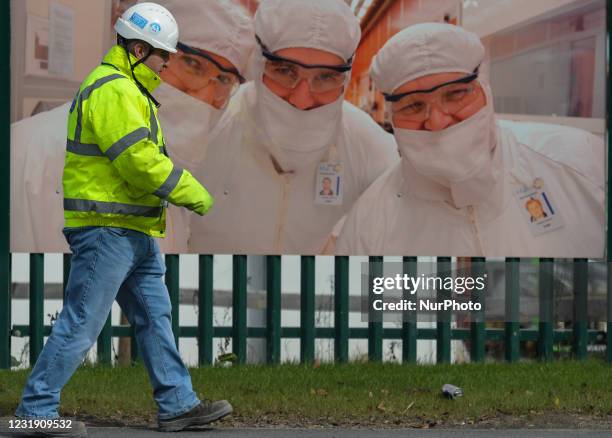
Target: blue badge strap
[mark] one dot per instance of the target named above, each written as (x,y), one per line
(548,203)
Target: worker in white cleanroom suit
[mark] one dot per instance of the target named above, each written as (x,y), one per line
(38,147)
(215,45)
(216,41)
(287,132)
(467,184)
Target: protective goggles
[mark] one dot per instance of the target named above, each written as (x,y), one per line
(288,73)
(450,97)
(202,70)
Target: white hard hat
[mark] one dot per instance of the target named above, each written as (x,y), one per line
(217,26)
(151,23)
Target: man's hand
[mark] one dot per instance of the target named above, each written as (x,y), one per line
(204,205)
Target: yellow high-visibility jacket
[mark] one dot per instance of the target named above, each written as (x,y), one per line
(117,172)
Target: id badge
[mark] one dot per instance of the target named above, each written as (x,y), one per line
(538,208)
(328,184)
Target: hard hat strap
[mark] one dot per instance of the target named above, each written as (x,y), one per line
(142,88)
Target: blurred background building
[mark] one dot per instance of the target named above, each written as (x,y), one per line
(546,59)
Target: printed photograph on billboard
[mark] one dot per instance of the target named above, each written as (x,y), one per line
(445,128)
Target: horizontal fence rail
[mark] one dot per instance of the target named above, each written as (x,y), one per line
(477,334)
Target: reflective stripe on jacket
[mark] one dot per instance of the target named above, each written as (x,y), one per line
(116,172)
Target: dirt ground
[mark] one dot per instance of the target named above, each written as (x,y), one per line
(535,420)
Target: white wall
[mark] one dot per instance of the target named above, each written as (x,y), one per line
(491,16)
(91,36)
(92,23)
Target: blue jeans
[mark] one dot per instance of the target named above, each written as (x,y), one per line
(108,264)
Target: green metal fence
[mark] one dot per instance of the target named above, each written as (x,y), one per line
(307,332)
(5,185)
(341,333)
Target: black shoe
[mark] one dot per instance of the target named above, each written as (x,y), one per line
(41,427)
(204,413)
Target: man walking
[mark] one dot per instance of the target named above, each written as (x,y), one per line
(117,182)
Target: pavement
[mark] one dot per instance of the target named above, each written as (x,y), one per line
(337,432)
(349,433)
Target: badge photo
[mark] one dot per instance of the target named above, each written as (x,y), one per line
(328,188)
(538,208)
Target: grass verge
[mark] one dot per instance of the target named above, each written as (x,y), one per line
(361,394)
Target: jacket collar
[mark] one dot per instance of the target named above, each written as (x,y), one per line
(147,77)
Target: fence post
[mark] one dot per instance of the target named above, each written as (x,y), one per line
(581,286)
(172,283)
(307,309)
(609,328)
(443,339)
(608,200)
(5,311)
(478,333)
(512,302)
(273,309)
(409,324)
(545,341)
(375,329)
(205,310)
(66,275)
(104,347)
(37,296)
(341,309)
(239,308)
(5,186)
(134,353)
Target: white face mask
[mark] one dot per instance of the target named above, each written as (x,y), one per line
(187,123)
(459,157)
(296,138)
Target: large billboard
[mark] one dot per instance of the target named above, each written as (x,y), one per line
(320,162)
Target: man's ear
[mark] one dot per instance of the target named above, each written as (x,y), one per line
(138,50)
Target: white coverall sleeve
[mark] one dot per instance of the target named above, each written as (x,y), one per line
(38,145)
(330,244)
